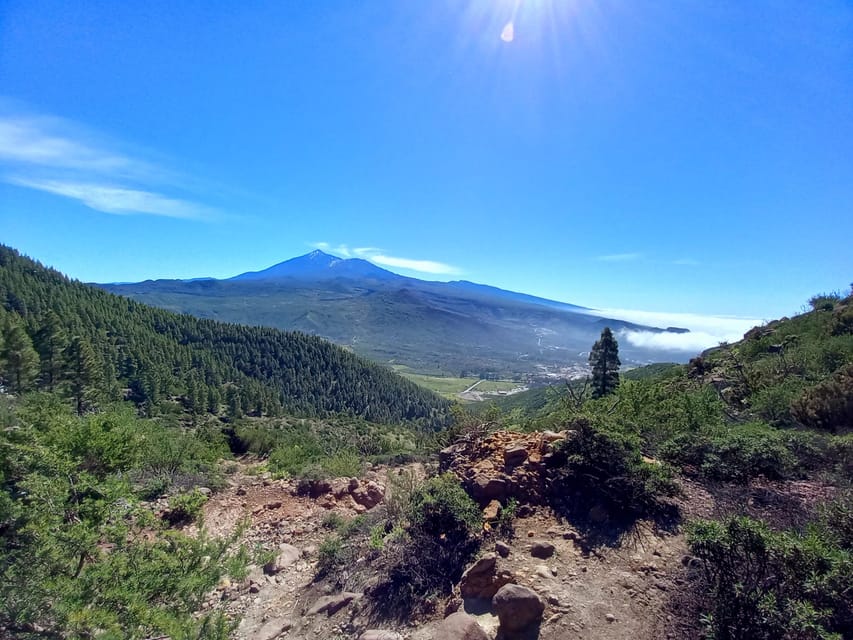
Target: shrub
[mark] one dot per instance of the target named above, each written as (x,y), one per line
(442,537)
(440,508)
(605,468)
(768,585)
(828,405)
(185,507)
(331,556)
(733,453)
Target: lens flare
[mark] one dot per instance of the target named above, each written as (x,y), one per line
(508,32)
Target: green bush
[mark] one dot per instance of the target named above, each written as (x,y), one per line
(766,585)
(733,453)
(441,538)
(829,404)
(331,556)
(440,508)
(604,468)
(185,507)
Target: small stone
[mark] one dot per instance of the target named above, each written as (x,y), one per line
(491,510)
(610,617)
(502,548)
(542,549)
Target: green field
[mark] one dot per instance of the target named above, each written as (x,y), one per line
(449,387)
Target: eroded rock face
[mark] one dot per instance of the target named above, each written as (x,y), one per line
(460,626)
(502,465)
(517,607)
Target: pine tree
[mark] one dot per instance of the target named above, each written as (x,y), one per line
(82,371)
(51,342)
(18,358)
(604,359)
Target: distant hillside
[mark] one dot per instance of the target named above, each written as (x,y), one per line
(453,328)
(98,347)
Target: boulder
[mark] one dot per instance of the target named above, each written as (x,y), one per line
(460,626)
(330,605)
(483,579)
(517,607)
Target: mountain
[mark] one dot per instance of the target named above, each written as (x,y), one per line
(451,328)
(318,265)
(99,347)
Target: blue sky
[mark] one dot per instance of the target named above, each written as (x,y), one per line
(680,156)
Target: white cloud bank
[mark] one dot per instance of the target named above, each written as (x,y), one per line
(377,256)
(705,331)
(58,157)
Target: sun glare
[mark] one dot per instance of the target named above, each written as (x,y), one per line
(508,32)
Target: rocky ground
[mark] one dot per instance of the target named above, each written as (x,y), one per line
(547,580)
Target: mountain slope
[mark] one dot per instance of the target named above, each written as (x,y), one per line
(151,355)
(456,327)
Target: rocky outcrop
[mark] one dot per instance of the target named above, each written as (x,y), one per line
(347,492)
(518,608)
(503,465)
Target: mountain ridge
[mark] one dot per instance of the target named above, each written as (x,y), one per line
(430,326)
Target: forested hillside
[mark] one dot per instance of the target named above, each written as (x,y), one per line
(94,347)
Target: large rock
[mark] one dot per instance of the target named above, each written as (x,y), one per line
(288,554)
(515,455)
(483,578)
(517,607)
(332,604)
(487,488)
(460,626)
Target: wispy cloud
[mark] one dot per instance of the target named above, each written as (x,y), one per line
(705,330)
(118,200)
(423,266)
(619,257)
(378,256)
(59,157)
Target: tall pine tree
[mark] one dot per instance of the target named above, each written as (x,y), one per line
(604,359)
(19,361)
